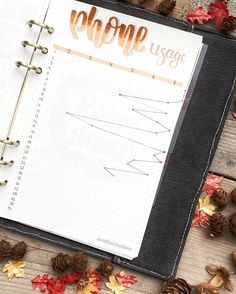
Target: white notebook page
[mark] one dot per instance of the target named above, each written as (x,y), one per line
(96,127)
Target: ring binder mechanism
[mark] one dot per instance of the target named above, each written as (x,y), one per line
(4,183)
(44,50)
(9,142)
(42,25)
(37,69)
(6,163)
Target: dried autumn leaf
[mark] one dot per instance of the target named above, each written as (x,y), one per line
(199,218)
(218,11)
(212,183)
(199,15)
(206,205)
(207,288)
(114,285)
(222,276)
(125,280)
(14,269)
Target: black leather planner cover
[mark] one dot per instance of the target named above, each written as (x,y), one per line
(188,165)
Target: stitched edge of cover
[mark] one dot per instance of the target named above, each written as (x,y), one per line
(196,195)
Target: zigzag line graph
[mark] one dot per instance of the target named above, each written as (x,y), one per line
(134,169)
(145,112)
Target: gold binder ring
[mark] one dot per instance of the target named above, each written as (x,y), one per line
(9,142)
(6,163)
(42,25)
(38,70)
(4,183)
(44,50)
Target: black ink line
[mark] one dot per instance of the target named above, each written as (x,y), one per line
(118,135)
(112,123)
(135,170)
(148,99)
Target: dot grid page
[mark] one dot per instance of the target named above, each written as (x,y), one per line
(96,127)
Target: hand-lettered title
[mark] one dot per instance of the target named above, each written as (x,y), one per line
(129,37)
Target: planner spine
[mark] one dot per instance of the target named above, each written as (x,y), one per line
(29,67)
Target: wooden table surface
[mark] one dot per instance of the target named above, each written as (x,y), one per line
(200,249)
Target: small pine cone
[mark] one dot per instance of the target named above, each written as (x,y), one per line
(233,196)
(79,263)
(176,286)
(166,6)
(82,283)
(61,262)
(5,249)
(105,268)
(232,223)
(218,224)
(228,24)
(18,251)
(220,198)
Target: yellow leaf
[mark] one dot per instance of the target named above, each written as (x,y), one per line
(90,288)
(206,205)
(14,269)
(114,286)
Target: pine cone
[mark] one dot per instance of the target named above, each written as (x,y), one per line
(166,6)
(228,24)
(232,223)
(5,249)
(218,224)
(61,262)
(18,251)
(105,268)
(82,283)
(79,263)
(176,286)
(233,196)
(220,198)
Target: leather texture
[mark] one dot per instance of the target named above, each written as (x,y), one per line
(188,165)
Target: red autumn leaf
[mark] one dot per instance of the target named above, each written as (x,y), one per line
(218,11)
(199,218)
(212,183)
(125,280)
(198,15)
(71,278)
(40,282)
(56,286)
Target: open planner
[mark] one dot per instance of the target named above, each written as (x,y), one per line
(94,98)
